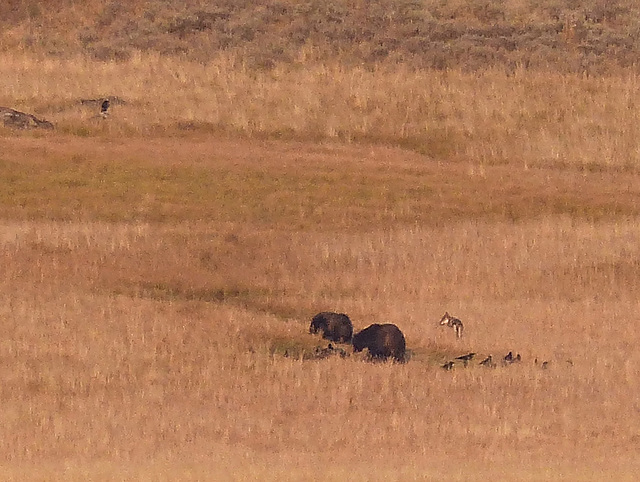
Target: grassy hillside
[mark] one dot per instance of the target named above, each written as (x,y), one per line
(589,36)
(480,119)
(540,84)
(261,163)
(196,180)
(156,308)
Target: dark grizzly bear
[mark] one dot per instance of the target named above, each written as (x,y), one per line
(383,341)
(334,326)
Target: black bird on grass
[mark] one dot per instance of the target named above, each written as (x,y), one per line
(104,108)
(544,365)
(487,362)
(466,358)
(324,352)
(330,350)
(509,359)
(448,365)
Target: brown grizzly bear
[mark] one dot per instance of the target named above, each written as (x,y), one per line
(383,341)
(334,326)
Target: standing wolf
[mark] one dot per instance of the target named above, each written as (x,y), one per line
(334,326)
(454,323)
(383,341)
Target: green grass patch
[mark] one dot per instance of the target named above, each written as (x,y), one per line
(291,198)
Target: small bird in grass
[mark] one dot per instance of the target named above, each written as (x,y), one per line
(487,362)
(448,365)
(544,365)
(341,352)
(324,352)
(104,108)
(330,350)
(509,359)
(466,358)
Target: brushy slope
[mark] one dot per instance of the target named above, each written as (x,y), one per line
(588,36)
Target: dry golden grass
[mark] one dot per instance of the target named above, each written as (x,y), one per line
(152,346)
(159,264)
(528,119)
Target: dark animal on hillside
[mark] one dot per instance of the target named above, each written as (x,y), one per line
(383,341)
(333,326)
(104,107)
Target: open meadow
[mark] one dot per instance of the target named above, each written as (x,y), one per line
(161,264)
(149,299)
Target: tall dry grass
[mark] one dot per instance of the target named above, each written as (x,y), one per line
(91,376)
(530,119)
(157,269)
(156,349)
